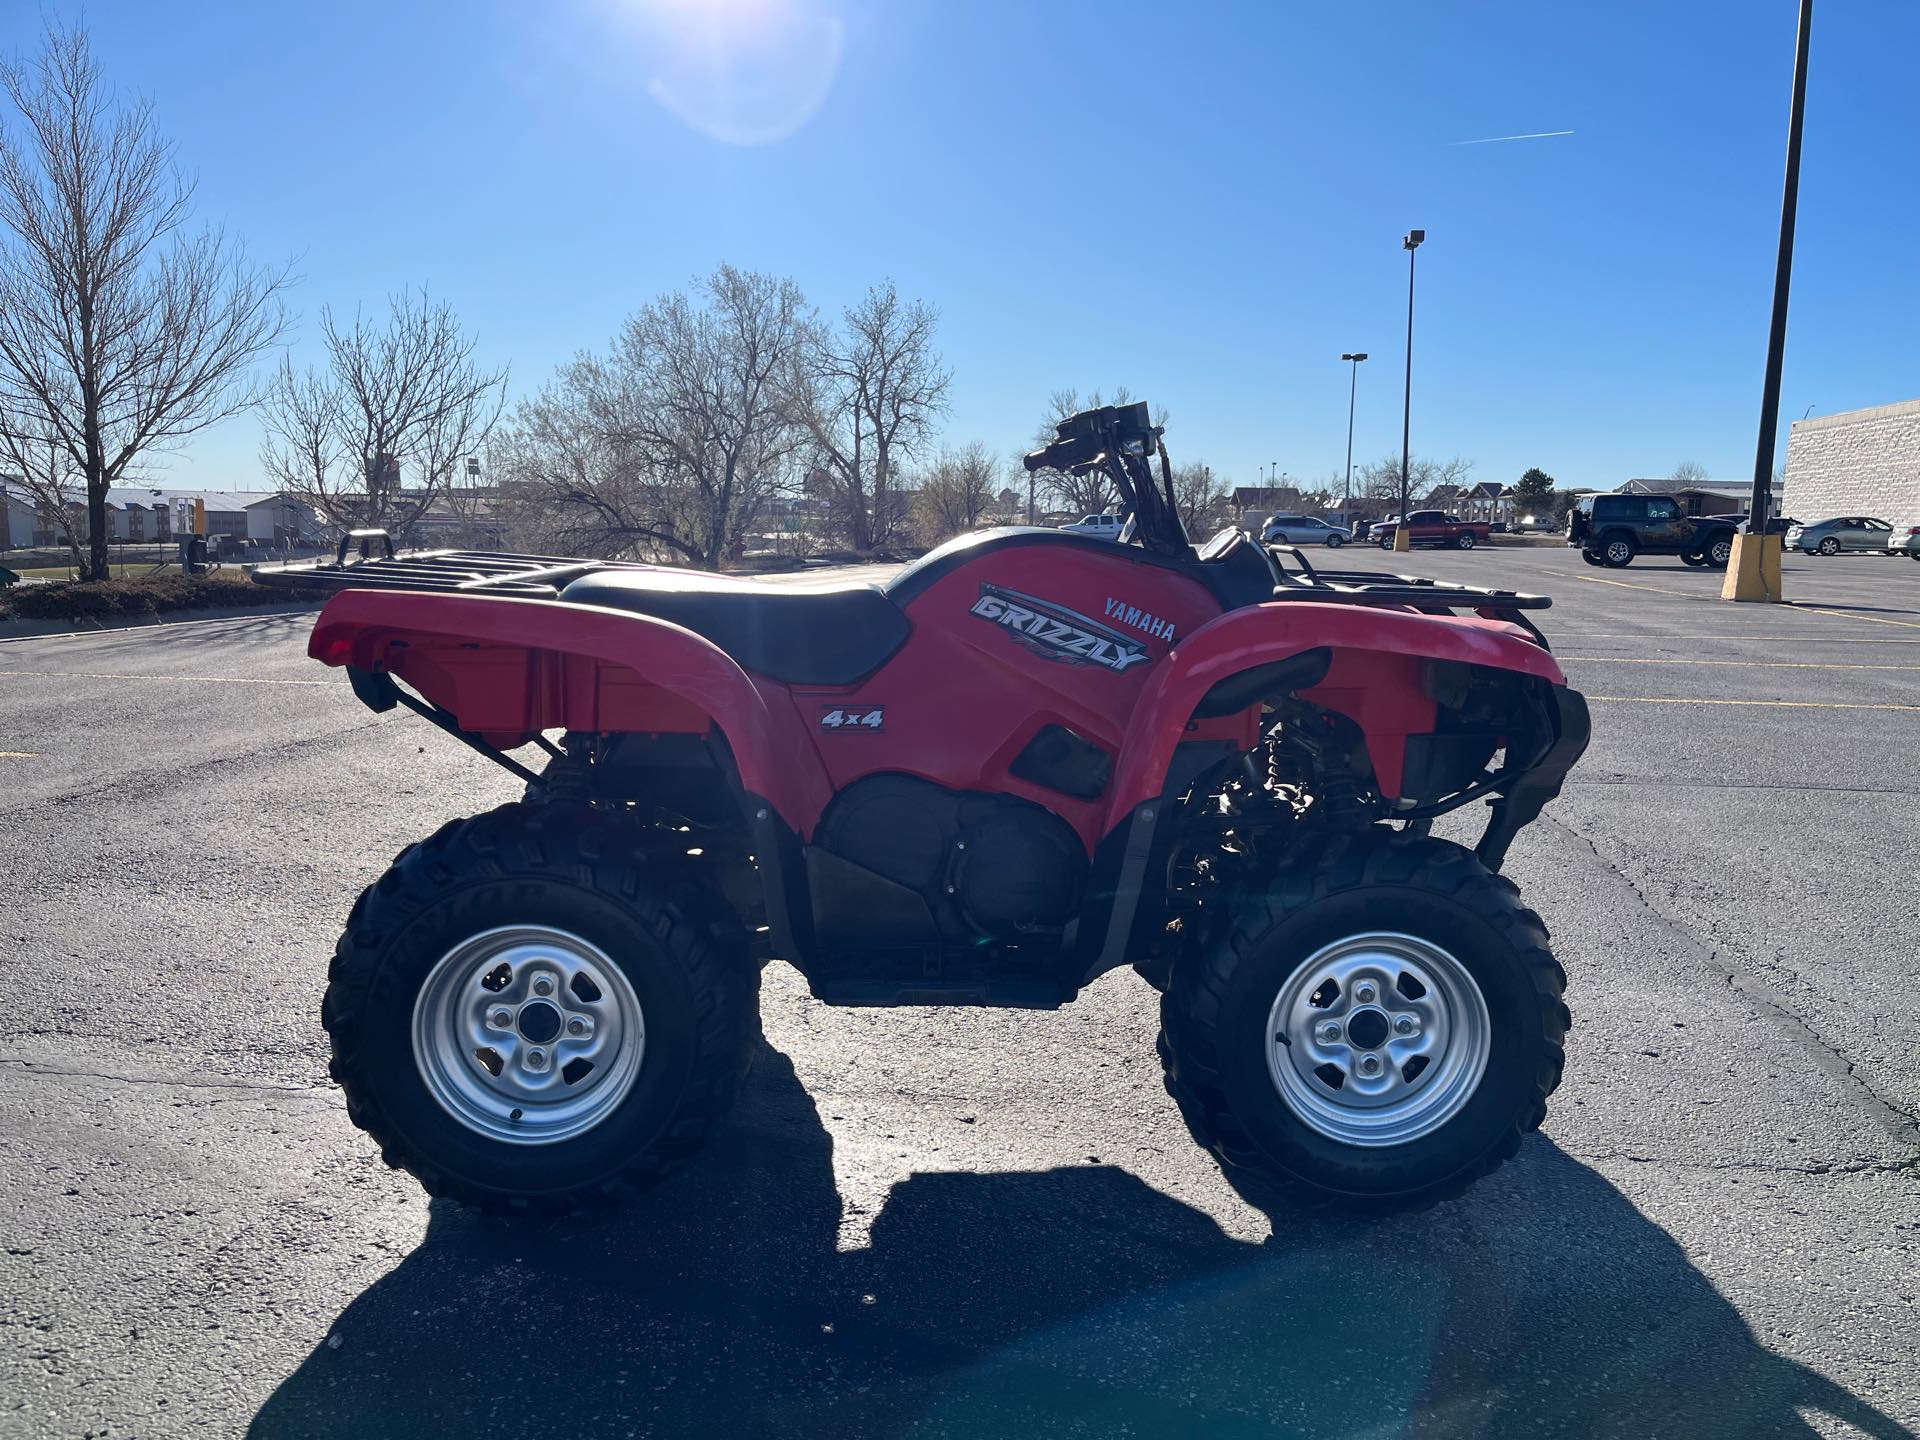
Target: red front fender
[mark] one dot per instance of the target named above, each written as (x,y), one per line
(1375,678)
(509,668)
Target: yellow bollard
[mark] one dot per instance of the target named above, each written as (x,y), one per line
(1753,570)
(1402,537)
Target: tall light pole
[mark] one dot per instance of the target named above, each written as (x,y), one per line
(1753,571)
(1402,536)
(1353,390)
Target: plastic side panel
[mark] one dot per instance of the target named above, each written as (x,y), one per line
(1379,686)
(513,667)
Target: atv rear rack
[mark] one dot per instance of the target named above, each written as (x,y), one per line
(488,572)
(1416,592)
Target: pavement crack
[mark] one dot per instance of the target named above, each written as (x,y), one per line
(1765,1001)
(1908,1165)
(170,1082)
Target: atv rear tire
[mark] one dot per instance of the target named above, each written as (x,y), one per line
(1422,936)
(531,1015)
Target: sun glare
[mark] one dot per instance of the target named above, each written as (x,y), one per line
(743,72)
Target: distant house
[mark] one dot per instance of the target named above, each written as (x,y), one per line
(1707,497)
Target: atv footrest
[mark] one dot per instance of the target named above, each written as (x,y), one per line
(1006,994)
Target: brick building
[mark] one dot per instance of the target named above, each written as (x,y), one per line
(1859,462)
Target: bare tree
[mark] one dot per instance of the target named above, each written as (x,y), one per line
(1091,493)
(401,401)
(1688,473)
(868,395)
(120,334)
(46,473)
(955,492)
(1198,494)
(676,442)
(1381,480)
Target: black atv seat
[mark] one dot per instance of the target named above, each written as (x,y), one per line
(796,634)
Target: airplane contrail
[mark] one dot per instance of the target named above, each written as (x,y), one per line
(1498,139)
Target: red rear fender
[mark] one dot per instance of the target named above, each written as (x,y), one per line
(510,668)
(1375,679)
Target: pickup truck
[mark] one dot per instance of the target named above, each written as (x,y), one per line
(1433,527)
(1611,529)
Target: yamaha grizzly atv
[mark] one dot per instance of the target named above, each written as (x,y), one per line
(1027,759)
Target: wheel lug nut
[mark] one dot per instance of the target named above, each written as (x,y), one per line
(543,985)
(1328,1033)
(1370,1065)
(1405,1025)
(500,1019)
(576,1027)
(1364,994)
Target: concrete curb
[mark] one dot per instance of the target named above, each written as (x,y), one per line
(64,629)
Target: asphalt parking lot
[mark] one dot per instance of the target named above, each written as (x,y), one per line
(977,1223)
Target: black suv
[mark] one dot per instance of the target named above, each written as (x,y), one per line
(1612,529)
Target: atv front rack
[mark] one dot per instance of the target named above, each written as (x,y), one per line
(1415,592)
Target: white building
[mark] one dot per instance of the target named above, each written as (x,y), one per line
(1859,462)
(16,517)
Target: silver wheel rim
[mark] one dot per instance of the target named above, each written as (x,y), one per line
(1618,550)
(528,1035)
(1378,1039)
(1722,552)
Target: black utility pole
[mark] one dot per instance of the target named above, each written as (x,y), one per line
(1412,242)
(1353,389)
(1759,503)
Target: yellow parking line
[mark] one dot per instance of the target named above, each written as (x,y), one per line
(18,755)
(1740,664)
(162,679)
(1774,704)
(1849,615)
(1631,585)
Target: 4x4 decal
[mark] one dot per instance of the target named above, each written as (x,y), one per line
(1056,632)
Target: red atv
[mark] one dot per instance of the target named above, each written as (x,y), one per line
(1027,759)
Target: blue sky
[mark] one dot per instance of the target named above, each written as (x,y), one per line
(1203,202)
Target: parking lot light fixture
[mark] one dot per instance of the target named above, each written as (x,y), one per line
(1353,389)
(1753,570)
(1402,537)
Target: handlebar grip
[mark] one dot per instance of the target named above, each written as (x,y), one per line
(1065,453)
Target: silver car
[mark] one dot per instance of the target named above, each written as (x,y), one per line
(1848,532)
(1302,530)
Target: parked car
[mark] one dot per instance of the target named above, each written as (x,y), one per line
(1846,532)
(1433,527)
(7,577)
(1302,530)
(1776,524)
(1612,529)
(1104,527)
(1906,540)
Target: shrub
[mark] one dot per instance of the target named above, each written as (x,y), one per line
(117,599)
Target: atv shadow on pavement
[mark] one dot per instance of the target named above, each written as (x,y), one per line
(1071,1301)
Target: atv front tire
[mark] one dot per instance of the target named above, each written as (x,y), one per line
(531,1015)
(1375,1034)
